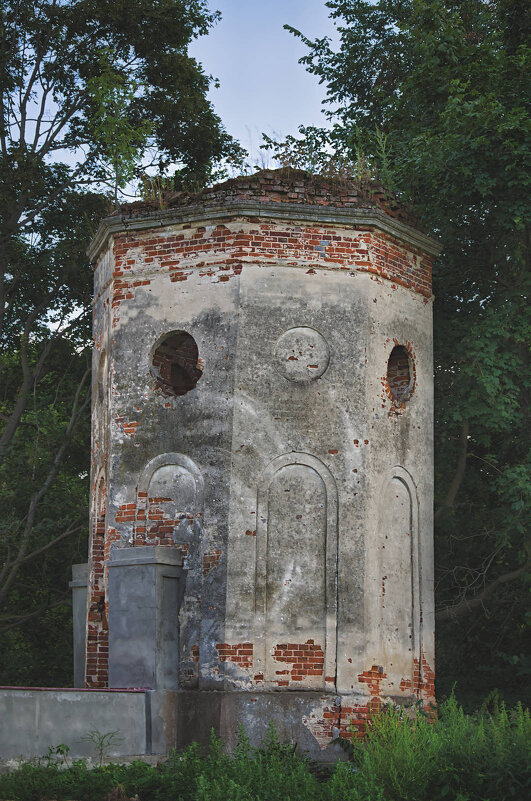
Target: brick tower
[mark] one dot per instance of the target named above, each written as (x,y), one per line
(261,541)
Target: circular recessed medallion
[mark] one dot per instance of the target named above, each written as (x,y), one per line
(301,354)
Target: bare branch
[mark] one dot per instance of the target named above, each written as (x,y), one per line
(53,542)
(59,124)
(6,565)
(29,375)
(24,98)
(467,605)
(77,409)
(38,120)
(18,620)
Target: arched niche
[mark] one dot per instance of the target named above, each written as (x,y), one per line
(296,567)
(170,499)
(175,477)
(397,580)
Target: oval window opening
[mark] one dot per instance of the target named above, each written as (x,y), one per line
(399,374)
(175,364)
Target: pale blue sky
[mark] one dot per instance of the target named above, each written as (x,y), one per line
(263,88)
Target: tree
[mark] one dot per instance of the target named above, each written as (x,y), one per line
(432,96)
(92,94)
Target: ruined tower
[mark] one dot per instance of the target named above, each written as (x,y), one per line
(261,544)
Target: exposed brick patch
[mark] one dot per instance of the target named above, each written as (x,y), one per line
(220,254)
(111,536)
(349,719)
(355,720)
(287,185)
(250,533)
(189,668)
(306,659)
(123,286)
(424,680)
(373,679)
(97,666)
(97,660)
(152,523)
(241,654)
(128,427)
(210,561)
(324,723)
(346,721)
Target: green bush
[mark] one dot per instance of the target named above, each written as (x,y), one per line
(457,757)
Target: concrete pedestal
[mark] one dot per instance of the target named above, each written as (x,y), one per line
(78,586)
(145,589)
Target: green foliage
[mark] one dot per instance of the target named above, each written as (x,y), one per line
(433,96)
(40,595)
(458,756)
(121,143)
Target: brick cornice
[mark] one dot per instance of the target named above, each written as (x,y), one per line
(296,212)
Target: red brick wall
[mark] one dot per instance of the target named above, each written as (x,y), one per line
(287,185)
(221,253)
(96,673)
(241,654)
(302,660)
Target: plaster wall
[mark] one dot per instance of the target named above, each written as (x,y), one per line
(344,426)
(34,720)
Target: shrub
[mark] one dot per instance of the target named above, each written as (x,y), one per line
(481,757)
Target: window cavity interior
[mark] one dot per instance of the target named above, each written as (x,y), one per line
(399,374)
(175,364)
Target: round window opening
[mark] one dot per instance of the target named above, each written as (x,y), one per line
(175,364)
(400,377)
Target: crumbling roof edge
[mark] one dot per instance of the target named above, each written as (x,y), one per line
(297,212)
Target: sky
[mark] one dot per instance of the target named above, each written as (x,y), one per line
(263,88)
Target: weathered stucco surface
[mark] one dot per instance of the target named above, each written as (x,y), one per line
(294,483)
(34,721)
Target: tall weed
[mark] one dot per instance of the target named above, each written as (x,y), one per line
(467,757)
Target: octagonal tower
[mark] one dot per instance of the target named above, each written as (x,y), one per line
(262,452)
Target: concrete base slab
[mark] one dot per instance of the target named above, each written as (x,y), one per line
(296,717)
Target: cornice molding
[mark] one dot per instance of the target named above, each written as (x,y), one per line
(294,212)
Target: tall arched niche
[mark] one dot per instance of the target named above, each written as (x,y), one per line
(396,617)
(296,571)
